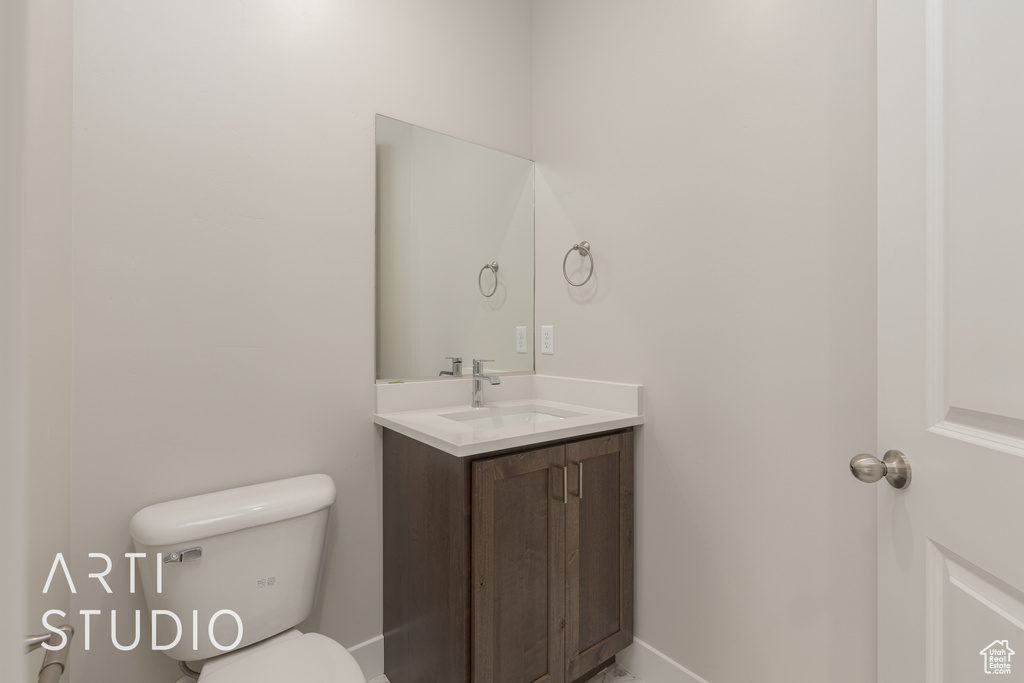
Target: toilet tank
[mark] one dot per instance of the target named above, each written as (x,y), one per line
(248,556)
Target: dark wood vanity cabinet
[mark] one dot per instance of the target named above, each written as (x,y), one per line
(515,567)
(552,560)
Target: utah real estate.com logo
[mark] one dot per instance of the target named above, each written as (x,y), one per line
(997,657)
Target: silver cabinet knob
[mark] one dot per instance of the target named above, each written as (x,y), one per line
(894,467)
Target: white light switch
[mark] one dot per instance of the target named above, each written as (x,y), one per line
(521,339)
(547,339)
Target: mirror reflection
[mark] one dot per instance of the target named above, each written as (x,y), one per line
(454,255)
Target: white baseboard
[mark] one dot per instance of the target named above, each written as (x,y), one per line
(651,666)
(639,659)
(370,656)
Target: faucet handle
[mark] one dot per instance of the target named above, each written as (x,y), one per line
(478,364)
(457,359)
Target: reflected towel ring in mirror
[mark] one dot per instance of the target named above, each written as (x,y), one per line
(493,267)
(584,249)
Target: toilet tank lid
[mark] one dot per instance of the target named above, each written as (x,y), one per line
(222,512)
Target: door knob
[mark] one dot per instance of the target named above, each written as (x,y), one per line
(894,467)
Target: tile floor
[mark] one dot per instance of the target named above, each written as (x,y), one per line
(613,674)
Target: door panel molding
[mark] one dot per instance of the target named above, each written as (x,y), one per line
(999,432)
(951,579)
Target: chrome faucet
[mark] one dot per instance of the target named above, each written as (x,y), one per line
(478,385)
(456,367)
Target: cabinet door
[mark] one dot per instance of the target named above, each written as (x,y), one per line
(599,547)
(519,568)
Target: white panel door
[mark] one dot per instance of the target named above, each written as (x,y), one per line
(951,339)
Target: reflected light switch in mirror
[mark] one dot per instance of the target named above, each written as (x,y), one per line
(521,339)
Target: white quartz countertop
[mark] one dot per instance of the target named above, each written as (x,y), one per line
(588,407)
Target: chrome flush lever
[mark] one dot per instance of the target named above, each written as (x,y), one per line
(187,555)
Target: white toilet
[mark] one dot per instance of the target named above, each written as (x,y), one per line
(248,556)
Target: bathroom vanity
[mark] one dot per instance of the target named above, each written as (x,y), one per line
(516,566)
(507,563)
(508,501)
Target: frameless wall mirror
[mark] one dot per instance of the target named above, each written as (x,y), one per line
(454,255)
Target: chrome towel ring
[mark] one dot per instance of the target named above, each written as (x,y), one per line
(584,249)
(493,267)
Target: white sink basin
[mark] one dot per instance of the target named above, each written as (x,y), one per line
(508,416)
(534,410)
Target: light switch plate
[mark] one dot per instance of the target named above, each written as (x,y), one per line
(521,339)
(547,339)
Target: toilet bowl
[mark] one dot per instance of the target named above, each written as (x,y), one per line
(290,656)
(252,553)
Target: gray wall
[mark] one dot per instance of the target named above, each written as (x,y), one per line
(223,258)
(720,159)
(13,18)
(48,320)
